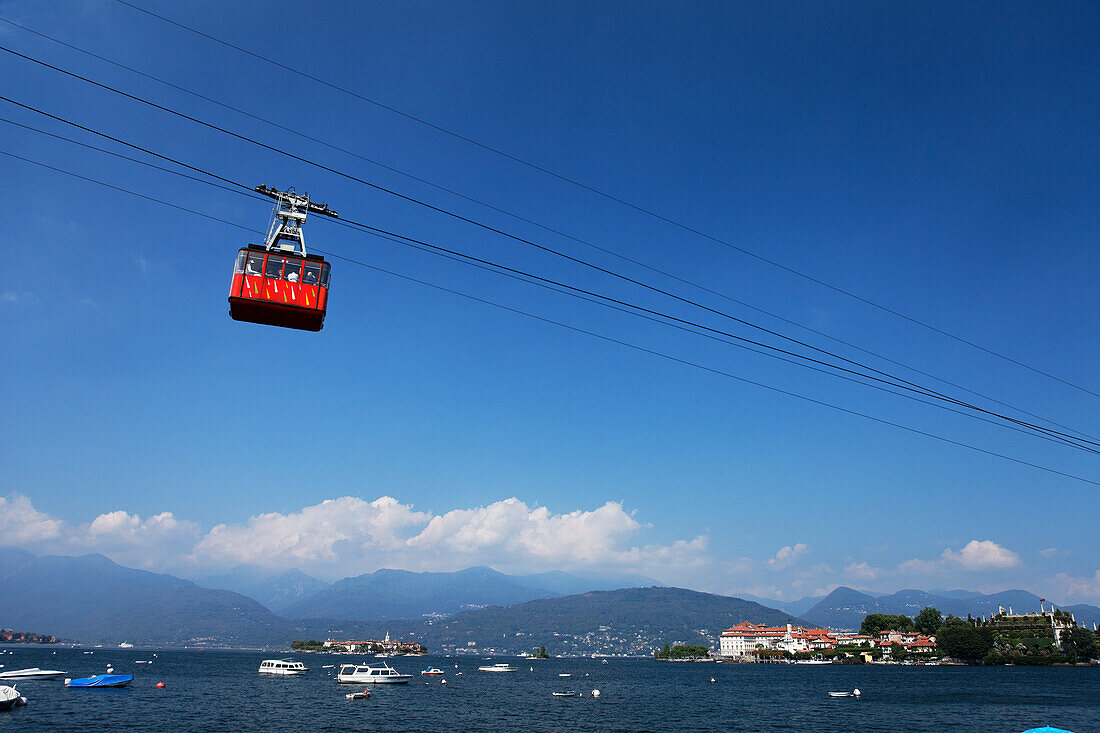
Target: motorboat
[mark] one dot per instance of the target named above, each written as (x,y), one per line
(498,667)
(368,674)
(365,694)
(33,673)
(10,697)
(565,674)
(101,680)
(567,693)
(853,693)
(282,666)
(432,672)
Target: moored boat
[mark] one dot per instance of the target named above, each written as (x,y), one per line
(10,697)
(282,666)
(101,680)
(432,672)
(498,667)
(853,693)
(32,673)
(368,674)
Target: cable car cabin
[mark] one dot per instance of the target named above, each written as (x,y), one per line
(279,289)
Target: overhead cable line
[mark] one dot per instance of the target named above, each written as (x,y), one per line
(544,227)
(407,242)
(577,329)
(611,197)
(908,384)
(901,384)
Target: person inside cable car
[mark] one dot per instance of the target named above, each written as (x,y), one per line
(293,268)
(253,265)
(274,268)
(311,274)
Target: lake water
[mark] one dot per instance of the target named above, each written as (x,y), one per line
(221,691)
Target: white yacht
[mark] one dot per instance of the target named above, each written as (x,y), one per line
(34,673)
(282,666)
(361,674)
(498,667)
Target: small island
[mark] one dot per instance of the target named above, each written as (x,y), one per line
(683,653)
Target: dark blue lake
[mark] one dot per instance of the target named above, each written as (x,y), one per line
(221,691)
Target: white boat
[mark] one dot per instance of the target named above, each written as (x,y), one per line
(498,667)
(564,674)
(853,693)
(567,693)
(352,674)
(33,673)
(10,697)
(125,645)
(282,666)
(432,672)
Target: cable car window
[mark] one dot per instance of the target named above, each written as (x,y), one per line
(293,271)
(239,266)
(312,273)
(255,264)
(324,275)
(274,267)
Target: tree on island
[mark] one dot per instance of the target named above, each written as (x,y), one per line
(959,639)
(928,621)
(876,623)
(1079,645)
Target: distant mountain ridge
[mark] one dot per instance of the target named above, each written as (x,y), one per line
(846,608)
(277,591)
(402,594)
(92,598)
(631,618)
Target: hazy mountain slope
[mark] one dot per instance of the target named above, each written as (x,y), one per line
(276,591)
(393,594)
(90,598)
(585,623)
(845,608)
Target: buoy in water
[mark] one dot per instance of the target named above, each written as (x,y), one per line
(856,692)
(595,693)
(160,685)
(712,680)
(443,682)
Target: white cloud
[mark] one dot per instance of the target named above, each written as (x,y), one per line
(22,524)
(1055,552)
(350,535)
(862,571)
(1075,589)
(130,540)
(982,555)
(14,298)
(348,527)
(787,556)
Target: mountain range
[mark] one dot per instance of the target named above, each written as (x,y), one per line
(400,594)
(845,608)
(90,598)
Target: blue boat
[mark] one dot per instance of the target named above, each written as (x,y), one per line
(102,680)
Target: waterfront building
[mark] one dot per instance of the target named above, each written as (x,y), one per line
(747,639)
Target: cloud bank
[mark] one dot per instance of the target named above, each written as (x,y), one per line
(350,535)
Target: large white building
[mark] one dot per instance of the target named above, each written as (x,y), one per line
(746,639)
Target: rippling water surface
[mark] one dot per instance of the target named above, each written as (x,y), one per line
(221,691)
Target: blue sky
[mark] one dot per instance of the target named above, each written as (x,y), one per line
(940,160)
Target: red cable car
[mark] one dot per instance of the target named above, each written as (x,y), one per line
(279,283)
